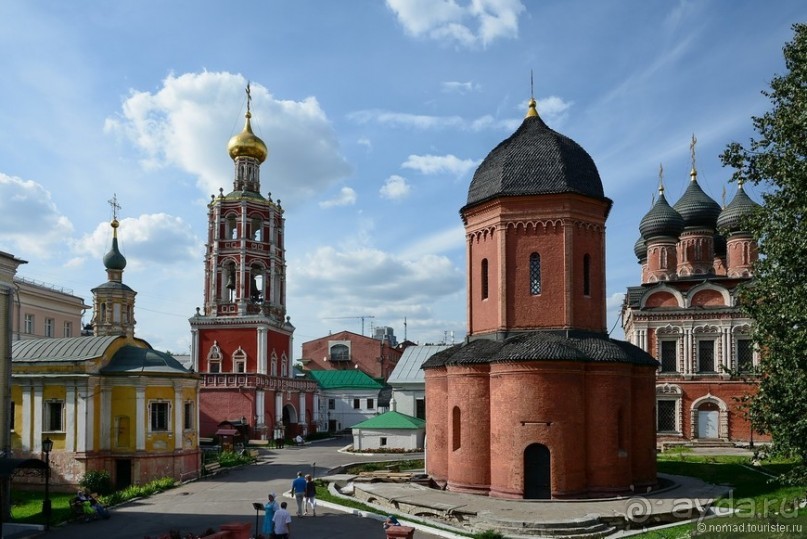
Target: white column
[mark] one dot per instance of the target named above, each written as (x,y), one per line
(178,411)
(36,445)
(687,350)
(83,427)
(260,407)
(316,414)
(195,349)
(27,420)
(140,421)
(278,406)
(70,418)
(262,345)
(301,412)
(105,419)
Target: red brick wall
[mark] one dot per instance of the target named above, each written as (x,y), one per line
(364,352)
(707,298)
(468,391)
(661,299)
(436,424)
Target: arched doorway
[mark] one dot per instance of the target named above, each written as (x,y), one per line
(290,421)
(537,473)
(708,420)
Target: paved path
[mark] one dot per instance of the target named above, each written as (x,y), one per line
(197,506)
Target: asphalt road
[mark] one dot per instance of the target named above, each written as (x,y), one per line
(228,497)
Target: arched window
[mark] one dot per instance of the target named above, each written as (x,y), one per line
(484,278)
(214,358)
(239,360)
(535,274)
(456,431)
(284,366)
(586,275)
(340,352)
(273,372)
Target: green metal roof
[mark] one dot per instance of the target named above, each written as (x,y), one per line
(391,420)
(355,379)
(61,349)
(134,359)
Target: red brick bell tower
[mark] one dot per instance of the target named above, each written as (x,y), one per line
(242,341)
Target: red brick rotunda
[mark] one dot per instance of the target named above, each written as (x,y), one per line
(539,402)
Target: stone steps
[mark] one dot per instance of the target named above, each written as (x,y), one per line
(581,528)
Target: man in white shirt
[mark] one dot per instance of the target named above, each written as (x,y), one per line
(282,521)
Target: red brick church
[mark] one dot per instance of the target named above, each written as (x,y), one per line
(539,402)
(242,340)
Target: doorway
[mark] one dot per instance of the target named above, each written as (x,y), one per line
(708,420)
(537,473)
(123,473)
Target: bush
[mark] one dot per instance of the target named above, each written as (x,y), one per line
(488,534)
(97,481)
(230,458)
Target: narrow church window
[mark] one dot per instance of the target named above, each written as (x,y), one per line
(188,416)
(239,360)
(159,416)
(11,426)
(274,365)
(214,358)
(706,355)
(669,356)
(745,355)
(284,366)
(586,275)
(535,274)
(456,432)
(53,420)
(665,421)
(484,278)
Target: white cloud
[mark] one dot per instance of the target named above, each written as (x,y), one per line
(456,87)
(476,23)
(364,141)
(614,301)
(183,125)
(148,241)
(362,278)
(395,188)
(346,197)
(32,225)
(401,119)
(439,164)
(441,241)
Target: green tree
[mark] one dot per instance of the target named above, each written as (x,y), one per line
(777,299)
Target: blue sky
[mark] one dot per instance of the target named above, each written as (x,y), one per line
(375,113)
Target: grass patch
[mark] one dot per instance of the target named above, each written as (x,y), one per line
(391,465)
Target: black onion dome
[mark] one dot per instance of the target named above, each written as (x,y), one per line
(571,345)
(114,260)
(696,207)
(661,220)
(741,206)
(720,245)
(535,160)
(640,249)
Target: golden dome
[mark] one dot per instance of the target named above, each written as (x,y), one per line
(247,144)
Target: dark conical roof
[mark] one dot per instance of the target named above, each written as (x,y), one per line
(696,207)
(640,249)
(535,160)
(114,260)
(730,219)
(661,220)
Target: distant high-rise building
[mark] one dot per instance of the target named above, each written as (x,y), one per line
(386,334)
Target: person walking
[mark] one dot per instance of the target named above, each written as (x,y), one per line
(270,508)
(310,495)
(298,489)
(282,522)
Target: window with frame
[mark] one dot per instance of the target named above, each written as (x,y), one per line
(669,356)
(28,324)
(535,274)
(706,355)
(456,430)
(331,404)
(745,355)
(239,360)
(586,275)
(665,416)
(284,366)
(68,329)
(159,416)
(357,404)
(370,404)
(12,415)
(49,323)
(53,420)
(188,416)
(214,358)
(340,352)
(274,365)
(484,278)
(383,441)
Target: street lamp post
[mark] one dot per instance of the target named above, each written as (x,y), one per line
(47,447)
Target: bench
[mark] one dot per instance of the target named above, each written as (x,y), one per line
(212,467)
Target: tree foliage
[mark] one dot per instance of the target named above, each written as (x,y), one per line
(777,299)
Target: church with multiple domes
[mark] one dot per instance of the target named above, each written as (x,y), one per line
(539,402)
(695,257)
